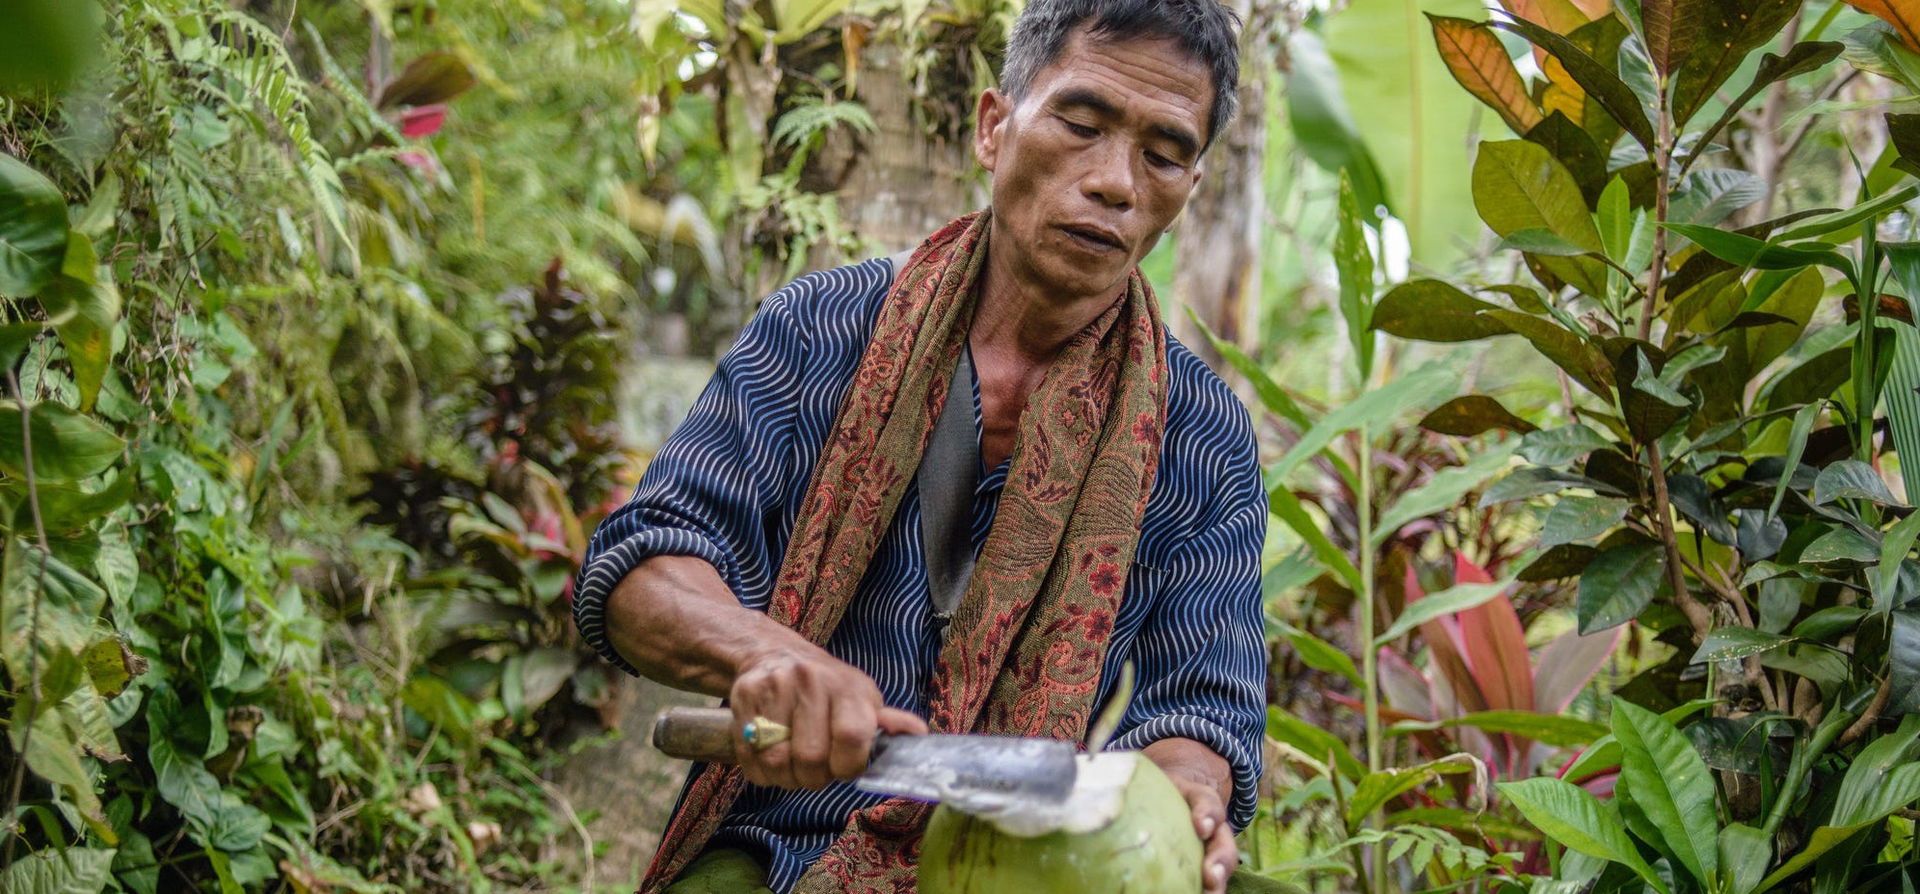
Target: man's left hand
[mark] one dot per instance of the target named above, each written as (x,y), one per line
(1204,779)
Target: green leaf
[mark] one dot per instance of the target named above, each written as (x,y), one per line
(67,446)
(1576,518)
(1894,546)
(1473,414)
(1728,30)
(1457,598)
(1851,479)
(1582,361)
(1712,196)
(1521,484)
(1407,112)
(59,870)
(1519,186)
(1376,789)
(1559,446)
(1617,585)
(1317,653)
(429,78)
(1815,227)
(1536,241)
(33,229)
(1287,508)
(1382,405)
(1442,491)
(1668,29)
(1603,85)
(1734,643)
(1879,781)
(1796,447)
(1354,262)
(1573,817)
(1557,730)
(1318,114)
(1841,545)
(1903,661)
(1746,251)
(1430,310)
(1745,853)
(1312,741)
(46,44)
(1902,394)
(1671,784)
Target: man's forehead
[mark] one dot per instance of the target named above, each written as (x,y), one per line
(1157,67)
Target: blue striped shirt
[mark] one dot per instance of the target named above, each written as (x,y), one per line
(728,484)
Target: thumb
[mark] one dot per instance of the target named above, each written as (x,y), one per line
(900,722)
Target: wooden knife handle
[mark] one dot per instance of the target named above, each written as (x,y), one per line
(695,734)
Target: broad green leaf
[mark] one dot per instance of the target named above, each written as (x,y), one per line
(1473,414)
(1796,447)
(1312,741)
(59,870)
(435,76)
(1576,518)
(1536,241)
(1903,661)
(1894,546)
(1815,227)
(1851,479)
(1443,490)
(1376,789)
(67,446)
(1573,817)
(1317,653)
(1603,85)
(1521,484)
(1668,28)
(1880,780)
(1840,545)
(795,19)
(1900,14)
(1746,251)
(1829,622)
(45,46)
(1407,111)
(1457,598)
(1728,31)
(1417,388)
(1582,361)
(1518,185)
(1354,262)
(1575,149)
(1479,61)
(1557,730)
(1318,114)
(1745,853)
(1559,446)
(33,229)
(1713,195)
(1671,784)
(1430,310)
(1902,393)
(1733,643)
(1617,585)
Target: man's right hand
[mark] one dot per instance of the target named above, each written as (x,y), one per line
(675,620)
(831,710)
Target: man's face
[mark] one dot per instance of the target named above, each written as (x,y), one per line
(1095,162)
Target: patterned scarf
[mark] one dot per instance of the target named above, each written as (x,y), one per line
(1024,649)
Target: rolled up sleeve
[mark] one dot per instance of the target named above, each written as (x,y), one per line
(710,489)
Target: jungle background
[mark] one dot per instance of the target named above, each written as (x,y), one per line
(331,327)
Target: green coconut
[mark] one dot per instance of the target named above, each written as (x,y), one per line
(1125,828)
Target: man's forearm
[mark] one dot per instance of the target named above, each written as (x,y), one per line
(677,622)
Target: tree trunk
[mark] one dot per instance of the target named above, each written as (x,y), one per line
(1216,266)
(898,185)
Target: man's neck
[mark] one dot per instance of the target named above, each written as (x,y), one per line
(1019,317)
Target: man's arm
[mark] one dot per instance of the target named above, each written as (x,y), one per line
(675,621)
(675,580)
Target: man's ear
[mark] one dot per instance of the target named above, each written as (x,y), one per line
(990,122)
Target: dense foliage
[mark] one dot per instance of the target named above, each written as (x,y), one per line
(314,318)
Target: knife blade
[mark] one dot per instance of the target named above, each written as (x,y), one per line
(974,772)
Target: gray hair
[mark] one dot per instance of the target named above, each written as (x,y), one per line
(1202,28)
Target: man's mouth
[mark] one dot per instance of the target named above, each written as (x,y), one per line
(1094,238)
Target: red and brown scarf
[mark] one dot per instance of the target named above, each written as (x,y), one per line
(1025,647)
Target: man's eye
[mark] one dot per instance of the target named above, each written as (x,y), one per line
(1079,130)
(1161,161)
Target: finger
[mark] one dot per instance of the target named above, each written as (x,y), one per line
(743,754)
(900,722)
(852,739)
(812,730)
(1221,858)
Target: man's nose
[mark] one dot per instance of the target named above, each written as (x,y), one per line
(1111,181)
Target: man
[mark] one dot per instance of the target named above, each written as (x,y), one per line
(778,552)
